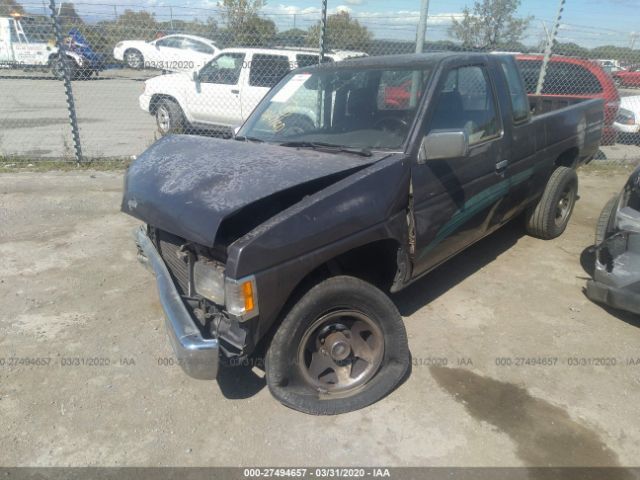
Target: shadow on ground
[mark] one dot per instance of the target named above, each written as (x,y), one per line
(455,270)
(544,434)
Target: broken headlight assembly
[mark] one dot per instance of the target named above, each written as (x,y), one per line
(239,297)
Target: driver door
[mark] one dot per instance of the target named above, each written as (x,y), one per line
(215,98)
(458,200)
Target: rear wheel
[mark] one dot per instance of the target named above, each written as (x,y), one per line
(58,64)
(551,215)
(169,117)
(342,347)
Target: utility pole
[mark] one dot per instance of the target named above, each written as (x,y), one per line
(549,48)
(420,36)
(422,26)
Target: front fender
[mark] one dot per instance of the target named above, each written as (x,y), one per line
(365,207)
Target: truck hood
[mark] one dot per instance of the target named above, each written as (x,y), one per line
(167,83)
(188,185)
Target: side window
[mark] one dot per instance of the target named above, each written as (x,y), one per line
(223,69)
(266,70)
(194,45)
(14,32)
(397,87)
(570,79)
(519,100)
(307,60)
(562,78)
(466,102)
(171,42)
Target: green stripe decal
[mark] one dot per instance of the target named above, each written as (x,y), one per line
(476,204)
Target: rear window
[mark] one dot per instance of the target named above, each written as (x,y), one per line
(561,79)
(266,70)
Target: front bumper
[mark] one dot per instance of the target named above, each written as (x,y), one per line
(614,297)
(144,101)
(198,356)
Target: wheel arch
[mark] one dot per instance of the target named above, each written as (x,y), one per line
(156,98)
(568,158)
(380,271)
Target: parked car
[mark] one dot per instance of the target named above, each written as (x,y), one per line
(616,276)
(225,91)
(627,122)
(574,78)
(172,53)
(610,65)
(288,238)
(627,78)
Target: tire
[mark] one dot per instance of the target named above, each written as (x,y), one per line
(169,117)
(604,227)
(549,218)
(134,59)
(57,68)
(332,318)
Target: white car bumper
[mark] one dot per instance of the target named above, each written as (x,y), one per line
(144,100)
(624,128)
(118,53)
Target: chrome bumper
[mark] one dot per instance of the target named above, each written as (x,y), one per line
(198,356)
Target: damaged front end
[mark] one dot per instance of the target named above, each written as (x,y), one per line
(616,278)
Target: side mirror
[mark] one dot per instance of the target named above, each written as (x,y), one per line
(443,144)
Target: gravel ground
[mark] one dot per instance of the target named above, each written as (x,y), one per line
(83,379)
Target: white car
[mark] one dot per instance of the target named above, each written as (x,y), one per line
(627,122)
(173,53)
(222,94)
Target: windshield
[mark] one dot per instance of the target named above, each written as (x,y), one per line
(354,108)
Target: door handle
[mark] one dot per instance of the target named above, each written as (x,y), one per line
(501,166)
(235,91)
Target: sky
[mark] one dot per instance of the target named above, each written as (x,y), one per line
(586,22)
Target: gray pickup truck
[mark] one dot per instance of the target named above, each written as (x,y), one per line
(348,181)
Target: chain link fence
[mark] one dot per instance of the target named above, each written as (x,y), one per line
(137,72)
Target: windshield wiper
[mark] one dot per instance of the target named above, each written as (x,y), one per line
(328,147)
(244,138)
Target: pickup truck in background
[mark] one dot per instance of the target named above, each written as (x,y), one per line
(222,94)
(289,238)
(574,78)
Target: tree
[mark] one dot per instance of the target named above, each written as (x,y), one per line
(237,13)
(7,7)
(490,24)
(256,31)
(243,25)
(68,15)
(343,32)
(294,37)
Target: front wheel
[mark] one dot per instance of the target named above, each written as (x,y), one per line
(134,59)
(169,117)
(551,215)
(343,346)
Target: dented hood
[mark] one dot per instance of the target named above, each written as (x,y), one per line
(188,185)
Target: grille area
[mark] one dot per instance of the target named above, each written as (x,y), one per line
(168,245)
